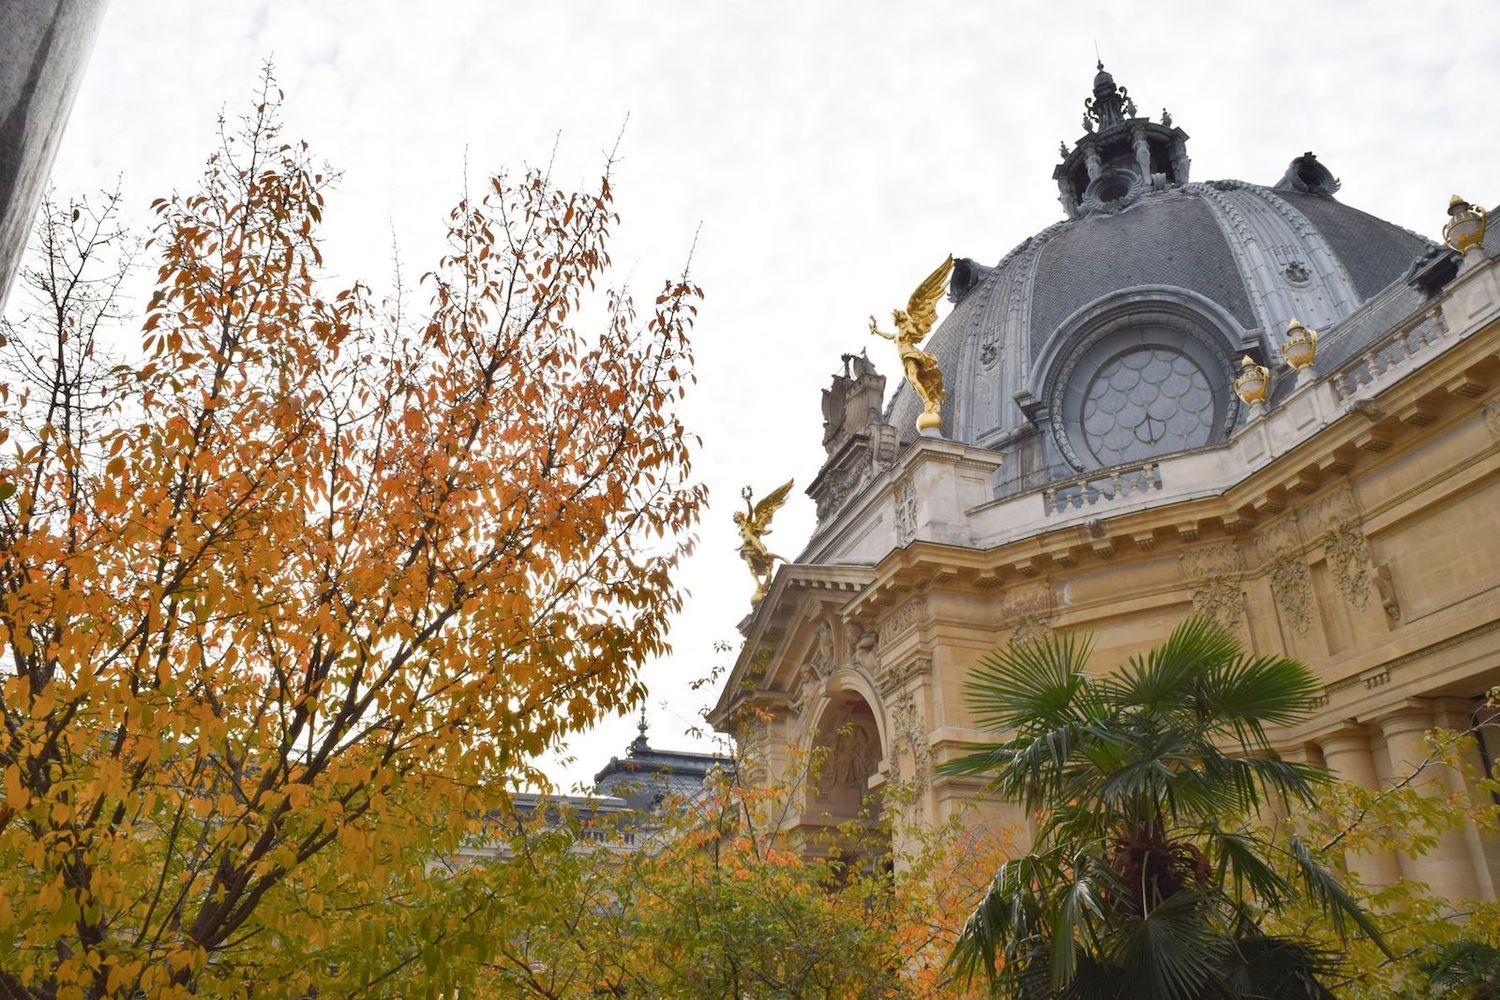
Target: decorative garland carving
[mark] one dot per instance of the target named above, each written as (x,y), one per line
(1211,561)
(1216,570)
(911,734)
(1029,628)
(1492,418)
(1291,580)
(1027,609)
(1032,599)
(1337,521)
(1349,557)
(1291,586)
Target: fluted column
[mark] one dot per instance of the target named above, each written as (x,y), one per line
(1347,753)
(1447,868)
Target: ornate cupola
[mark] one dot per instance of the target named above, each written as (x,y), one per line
(1120,156)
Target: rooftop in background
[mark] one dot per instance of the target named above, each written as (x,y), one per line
(646,776)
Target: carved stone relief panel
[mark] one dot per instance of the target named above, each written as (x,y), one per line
(1492,417)
(1026,611)
(1215,572)
(1336,521)
(1291,581)
(900,620)
(851,739)
(906,511)
(910,732)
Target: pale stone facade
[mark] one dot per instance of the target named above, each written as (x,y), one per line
(1353,522)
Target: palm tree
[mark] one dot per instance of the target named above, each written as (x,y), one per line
(1463,970)
(1143,880)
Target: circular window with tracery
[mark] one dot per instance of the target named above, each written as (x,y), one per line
(1146,402)
(1136,387)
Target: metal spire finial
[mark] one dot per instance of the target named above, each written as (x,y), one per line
(639,744)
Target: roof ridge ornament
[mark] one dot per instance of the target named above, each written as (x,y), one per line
(1110,105)
(639,744)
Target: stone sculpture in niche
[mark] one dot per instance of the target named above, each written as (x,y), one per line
(1386,588)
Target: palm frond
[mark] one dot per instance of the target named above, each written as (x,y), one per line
(1324,888)
(1171,672)
(1241,856)
(1248,694)
(1080,903)
(1008,918)
(1038,684)
(1170,953)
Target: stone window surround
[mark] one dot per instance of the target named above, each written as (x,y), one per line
(1213,339)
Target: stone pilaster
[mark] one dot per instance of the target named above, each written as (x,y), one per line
(1347,754)
(1447,868)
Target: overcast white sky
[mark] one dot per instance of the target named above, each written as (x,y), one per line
(833,153)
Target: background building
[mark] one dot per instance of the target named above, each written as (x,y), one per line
(623,812)
(1098,472)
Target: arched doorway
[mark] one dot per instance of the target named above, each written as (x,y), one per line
(843,814)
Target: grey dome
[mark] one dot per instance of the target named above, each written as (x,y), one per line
(1221,264)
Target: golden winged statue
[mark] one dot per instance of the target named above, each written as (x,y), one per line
(754,524)
(912,324)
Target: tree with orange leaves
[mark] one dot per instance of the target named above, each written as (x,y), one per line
(290,596)
(715,901)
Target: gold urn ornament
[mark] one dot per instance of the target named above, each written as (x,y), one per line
(1300,348)
(1466,225)
(1252,381)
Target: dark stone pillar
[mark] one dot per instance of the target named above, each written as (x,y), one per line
(44,45)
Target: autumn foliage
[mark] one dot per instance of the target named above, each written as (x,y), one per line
(291,594)
(719,902)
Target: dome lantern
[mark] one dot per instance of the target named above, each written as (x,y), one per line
(1120,156)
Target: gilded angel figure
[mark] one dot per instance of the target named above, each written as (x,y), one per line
(912,325)
(754,524)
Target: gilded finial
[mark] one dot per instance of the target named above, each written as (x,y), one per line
(1300,348)
(1466,225)
(754,523)
(912,324)
(1252,381)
